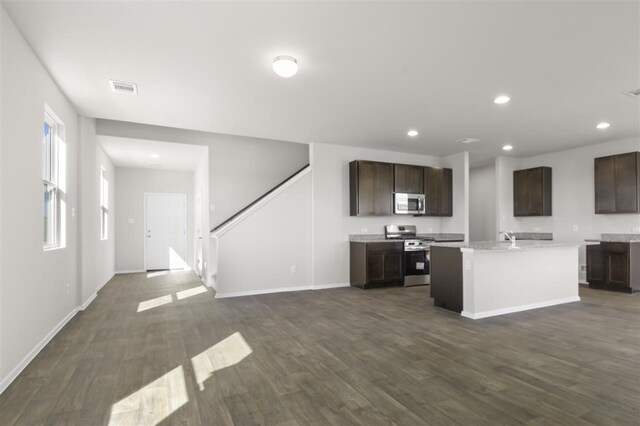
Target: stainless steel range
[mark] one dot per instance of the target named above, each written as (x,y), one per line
(416,253)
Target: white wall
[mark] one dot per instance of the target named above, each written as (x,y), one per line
(258,254)
(332,224)
(573,200)
(459,222)
(201,216)
(241,169)
(39,289)
(130,186)
(482,203)
(97,256)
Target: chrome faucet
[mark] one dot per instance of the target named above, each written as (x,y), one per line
(511,236)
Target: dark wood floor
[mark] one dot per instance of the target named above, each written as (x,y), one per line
(342,356)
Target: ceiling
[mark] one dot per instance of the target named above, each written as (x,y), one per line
(369,71)
(126,152)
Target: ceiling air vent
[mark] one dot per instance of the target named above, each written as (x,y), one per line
(468,140)
(123,87)
(632,93)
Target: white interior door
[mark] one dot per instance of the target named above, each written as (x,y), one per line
(166,231)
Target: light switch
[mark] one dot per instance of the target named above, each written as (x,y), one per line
(212,207)
(575,228)
(73,212)
(131,220)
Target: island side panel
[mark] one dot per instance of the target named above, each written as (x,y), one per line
(446,277)
(516,280)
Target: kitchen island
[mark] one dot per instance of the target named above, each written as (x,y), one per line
(484,279)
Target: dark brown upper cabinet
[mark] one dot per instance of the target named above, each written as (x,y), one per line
(617,183)
(408,179)
(532,192)
(370,188)
(438,191)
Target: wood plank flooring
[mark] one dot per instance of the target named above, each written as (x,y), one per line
(340,356)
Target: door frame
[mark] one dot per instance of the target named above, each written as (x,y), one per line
(144,221)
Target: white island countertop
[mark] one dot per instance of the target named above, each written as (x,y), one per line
(505,245)
(488,278)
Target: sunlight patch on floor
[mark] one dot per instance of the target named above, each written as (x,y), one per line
(225,353)
(157,274)
(152,403)
(154,303)
(191,292)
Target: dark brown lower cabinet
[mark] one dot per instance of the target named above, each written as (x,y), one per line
(614,266)
(376,264)
(446,278)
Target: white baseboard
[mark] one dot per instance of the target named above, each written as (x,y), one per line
(520,308)
(324,286)
(93,296)
(31,355)
(132,271)
(280,290)
(113,274)
(88,302)
(265,291)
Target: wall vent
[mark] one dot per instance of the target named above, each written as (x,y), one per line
(632,93)
(123,87)
(468,140)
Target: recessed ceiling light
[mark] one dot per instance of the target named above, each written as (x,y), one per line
(155,155)
(507,148)
(502,99)
(603,125)
(412,133)
(285,66)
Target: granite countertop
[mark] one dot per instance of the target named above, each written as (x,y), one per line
(615,238)
(533,236)
(505,246)
(379,238)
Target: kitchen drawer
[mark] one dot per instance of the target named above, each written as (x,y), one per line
(385,247)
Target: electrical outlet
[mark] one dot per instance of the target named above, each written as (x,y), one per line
(364,230)
(73,212)
(536,229)
(293,269)
(575,228)
(68,288)
(430,230)
(131,220)
(467,265)
(583,268)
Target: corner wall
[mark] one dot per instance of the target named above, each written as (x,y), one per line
(97,256)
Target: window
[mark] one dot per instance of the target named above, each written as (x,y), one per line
(53,176)
(104,205)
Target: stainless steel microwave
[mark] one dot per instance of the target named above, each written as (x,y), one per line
(408,203)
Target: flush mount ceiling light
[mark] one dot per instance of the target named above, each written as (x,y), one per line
(285,66)
(155,155)
(412,133)
(502,99)
(507,148)
(603,126)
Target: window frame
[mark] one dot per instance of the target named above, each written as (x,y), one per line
(104,205)
(50,165)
